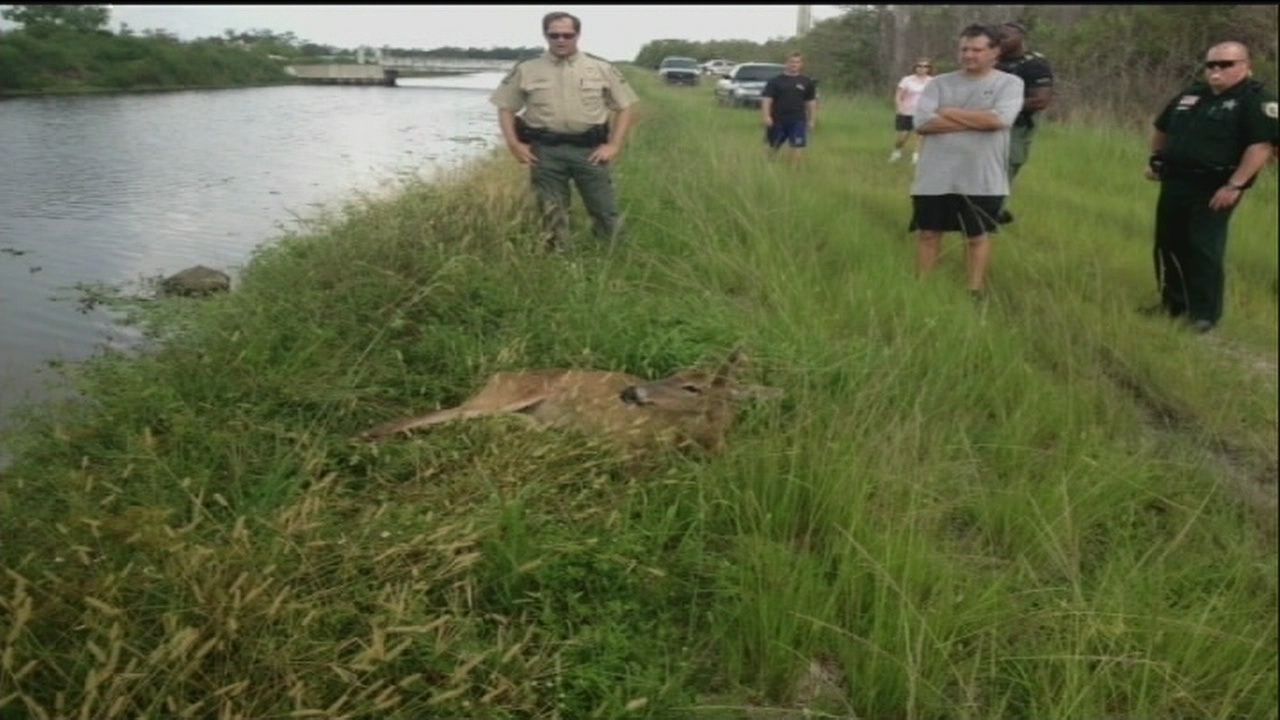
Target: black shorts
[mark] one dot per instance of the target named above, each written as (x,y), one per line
(904,123)
(972,215)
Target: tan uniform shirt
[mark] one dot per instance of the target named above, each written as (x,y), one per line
(564,95)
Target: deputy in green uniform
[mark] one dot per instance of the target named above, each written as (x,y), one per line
(1209,143)
(565,131)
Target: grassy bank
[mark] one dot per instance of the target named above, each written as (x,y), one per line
(73,62)
(1044,507)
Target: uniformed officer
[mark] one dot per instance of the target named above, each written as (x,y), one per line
(1209,143)
(564,132)
(1037,83)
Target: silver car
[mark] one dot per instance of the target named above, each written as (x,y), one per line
(744,83)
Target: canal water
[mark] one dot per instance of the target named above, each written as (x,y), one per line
(111,189)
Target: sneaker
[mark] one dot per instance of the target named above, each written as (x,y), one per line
(895,156)
(915,158)
(1005,217)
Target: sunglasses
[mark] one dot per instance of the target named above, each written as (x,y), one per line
(561,36)
(1219,64)
(926,67)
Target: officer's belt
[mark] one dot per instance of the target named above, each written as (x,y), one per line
(1188,170)
(597,135)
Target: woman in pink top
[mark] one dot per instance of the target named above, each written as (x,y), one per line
(909,89)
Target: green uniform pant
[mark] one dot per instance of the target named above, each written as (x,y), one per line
(1019,148)
(1191,241)
(556,166)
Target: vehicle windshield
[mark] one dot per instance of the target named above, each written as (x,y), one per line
(684,63)
(761,73)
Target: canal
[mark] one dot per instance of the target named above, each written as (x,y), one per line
(112,189)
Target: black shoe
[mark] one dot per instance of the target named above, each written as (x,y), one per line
(1005,217)
(1156,310)
(979,297)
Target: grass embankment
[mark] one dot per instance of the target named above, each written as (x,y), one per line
(74,62)
(1032,509)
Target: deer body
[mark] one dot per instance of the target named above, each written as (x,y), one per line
(691,406)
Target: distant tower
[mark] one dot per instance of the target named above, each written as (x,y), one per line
(804,19)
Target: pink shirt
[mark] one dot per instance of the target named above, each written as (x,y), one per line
(911,86)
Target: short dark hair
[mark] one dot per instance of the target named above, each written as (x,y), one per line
(1015,25)
(975,30)
(554,16)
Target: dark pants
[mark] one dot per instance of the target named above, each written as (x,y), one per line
(556,166)
(1191,241)
(1019,148)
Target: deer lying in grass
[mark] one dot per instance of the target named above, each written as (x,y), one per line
(690,407)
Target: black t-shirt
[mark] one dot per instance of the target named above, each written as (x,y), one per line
(1035,73)
(789,94)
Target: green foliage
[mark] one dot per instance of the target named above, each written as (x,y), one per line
(44,19)
(1117,61)
(65,61)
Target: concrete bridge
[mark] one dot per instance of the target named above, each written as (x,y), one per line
(386,68)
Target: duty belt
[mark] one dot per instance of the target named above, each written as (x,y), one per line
(597,135)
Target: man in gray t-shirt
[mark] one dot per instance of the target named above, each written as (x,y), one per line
(963,118)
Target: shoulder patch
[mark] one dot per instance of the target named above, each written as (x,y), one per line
(1270,110)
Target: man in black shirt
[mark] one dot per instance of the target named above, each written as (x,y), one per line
(1037,82)
(789,104)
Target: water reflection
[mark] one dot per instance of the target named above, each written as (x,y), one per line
(113,188)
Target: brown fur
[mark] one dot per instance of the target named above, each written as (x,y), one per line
(690,407)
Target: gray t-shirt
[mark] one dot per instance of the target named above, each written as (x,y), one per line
(969,162)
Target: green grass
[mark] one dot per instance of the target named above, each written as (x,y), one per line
(1037,508)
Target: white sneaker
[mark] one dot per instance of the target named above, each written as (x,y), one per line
(895,156)
(915,158)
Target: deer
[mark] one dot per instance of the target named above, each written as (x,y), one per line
(690,408)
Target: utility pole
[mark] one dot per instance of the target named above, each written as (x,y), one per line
(804,19)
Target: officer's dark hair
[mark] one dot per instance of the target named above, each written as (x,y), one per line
(992,34)
(554,16)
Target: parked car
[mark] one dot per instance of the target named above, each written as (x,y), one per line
(743,84)
(679,71)
(718,67)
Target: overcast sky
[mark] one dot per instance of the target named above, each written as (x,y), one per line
(613,31)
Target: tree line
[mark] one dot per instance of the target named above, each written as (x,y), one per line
(68,48)
(1115,61)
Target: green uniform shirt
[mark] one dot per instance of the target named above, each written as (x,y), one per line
(568,95)
(1208,132)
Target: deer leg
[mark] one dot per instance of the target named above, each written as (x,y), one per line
(386,430)
(462,412)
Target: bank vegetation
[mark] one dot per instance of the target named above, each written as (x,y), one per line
(1044,506)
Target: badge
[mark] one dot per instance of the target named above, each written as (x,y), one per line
(1188,100)
(1269,109)
(1229,105)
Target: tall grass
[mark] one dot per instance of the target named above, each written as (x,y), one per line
(1046,506)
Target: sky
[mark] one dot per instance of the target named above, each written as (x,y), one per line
(616,32)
